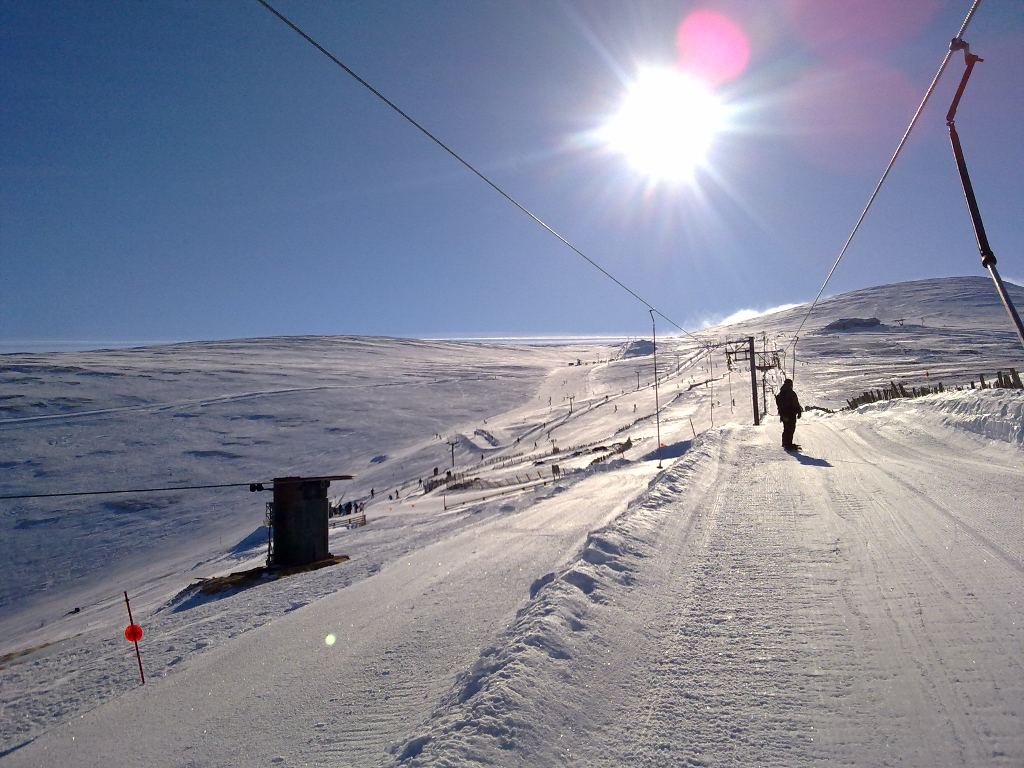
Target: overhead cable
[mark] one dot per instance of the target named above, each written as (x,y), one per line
(899,148)
(129,490)
(258,486)
(486,180)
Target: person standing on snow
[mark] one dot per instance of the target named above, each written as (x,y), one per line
(789,411)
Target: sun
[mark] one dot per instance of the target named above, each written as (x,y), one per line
(665,125)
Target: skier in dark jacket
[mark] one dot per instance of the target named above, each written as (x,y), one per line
(789,411)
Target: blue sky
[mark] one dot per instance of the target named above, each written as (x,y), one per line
(195,170)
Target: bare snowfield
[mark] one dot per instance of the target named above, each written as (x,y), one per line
(857,604)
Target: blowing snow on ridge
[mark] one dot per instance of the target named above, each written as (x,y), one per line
(573,594)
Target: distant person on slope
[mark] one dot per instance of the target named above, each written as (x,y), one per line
(789,411)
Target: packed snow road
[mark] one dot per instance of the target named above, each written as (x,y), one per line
(857,604)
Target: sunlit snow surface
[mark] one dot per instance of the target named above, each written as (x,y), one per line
(858,604)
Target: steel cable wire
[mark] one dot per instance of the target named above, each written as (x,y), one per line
(263,485)
(130,490)
(899,148)
(480,175)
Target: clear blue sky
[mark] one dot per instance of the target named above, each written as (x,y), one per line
(195,170)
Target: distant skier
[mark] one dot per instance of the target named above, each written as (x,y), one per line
(789,411)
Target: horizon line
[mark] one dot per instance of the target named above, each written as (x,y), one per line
(44,346)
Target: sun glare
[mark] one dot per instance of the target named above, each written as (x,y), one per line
(665,125)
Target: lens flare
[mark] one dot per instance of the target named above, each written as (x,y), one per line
(665,124)
(712,47)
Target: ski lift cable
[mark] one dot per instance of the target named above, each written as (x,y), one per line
(464,162)
(899,148)
(264,485)
(127,490)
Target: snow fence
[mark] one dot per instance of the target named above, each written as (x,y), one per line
(997,414)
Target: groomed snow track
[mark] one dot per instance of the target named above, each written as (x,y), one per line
(859,606)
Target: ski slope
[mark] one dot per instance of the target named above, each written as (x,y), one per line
(856,604)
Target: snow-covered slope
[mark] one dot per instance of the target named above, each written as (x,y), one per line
(207,414)
(944,329)
(719,602)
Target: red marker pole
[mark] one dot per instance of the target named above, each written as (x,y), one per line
(134,633)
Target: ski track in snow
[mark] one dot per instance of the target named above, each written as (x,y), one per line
(857,604)
(785,641)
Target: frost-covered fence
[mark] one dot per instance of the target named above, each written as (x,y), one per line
(501,482)
(446,479)
(516,489)
(634,422)
(1010,380)
(453,479)
(348,521)
(504,462)
(893,392)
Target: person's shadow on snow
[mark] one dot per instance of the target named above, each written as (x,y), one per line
(810,461)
